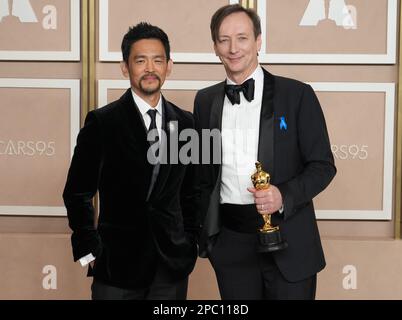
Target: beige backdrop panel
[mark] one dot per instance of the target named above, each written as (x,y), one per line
(34,145)
(45,70)
(179,19)
(284,17)
(23,269)
(356,269)
(355,122)
(32,36)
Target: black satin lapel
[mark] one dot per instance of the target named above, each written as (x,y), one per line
(215,120)
(169,122)
(266,135)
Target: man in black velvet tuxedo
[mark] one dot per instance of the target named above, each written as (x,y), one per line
(279,122)
(144,245)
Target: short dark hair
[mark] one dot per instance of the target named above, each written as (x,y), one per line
(227,10)
(143,30)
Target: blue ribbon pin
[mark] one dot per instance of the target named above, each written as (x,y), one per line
(283,125)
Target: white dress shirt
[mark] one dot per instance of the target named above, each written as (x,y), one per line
(240,133)
(143,107)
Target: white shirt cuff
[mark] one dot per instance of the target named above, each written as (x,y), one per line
(87,259)
(281,209)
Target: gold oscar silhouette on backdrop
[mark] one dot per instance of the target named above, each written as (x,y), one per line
(269,236)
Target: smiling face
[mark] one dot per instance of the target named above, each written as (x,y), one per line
(237,47)
(147,67)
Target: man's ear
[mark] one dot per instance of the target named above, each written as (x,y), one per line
(259,42)
(169,67)
(215,50)
(216,53)
(124,68)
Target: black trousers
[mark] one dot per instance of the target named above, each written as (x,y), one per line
(244,274)
(162,288)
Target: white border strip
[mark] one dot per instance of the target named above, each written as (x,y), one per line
(74,86)
(106,55)
(72,55)
(387,88)
(387,58)
(387,196)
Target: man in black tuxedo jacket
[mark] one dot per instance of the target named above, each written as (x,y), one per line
(279,122)
(144,245)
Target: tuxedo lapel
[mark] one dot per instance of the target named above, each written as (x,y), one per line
(136,126)
(212,220)
(134,139)
(266,133)
(215,121)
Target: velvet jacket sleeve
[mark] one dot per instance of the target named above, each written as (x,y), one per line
(81,187)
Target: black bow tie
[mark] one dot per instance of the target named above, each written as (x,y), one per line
(233,91)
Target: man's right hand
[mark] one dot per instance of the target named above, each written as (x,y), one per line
(268,200)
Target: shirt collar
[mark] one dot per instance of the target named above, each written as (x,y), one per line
(257,75)
(143,106)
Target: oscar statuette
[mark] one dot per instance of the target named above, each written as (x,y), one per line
(269,236)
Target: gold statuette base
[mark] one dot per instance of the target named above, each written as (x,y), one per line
(270,241)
